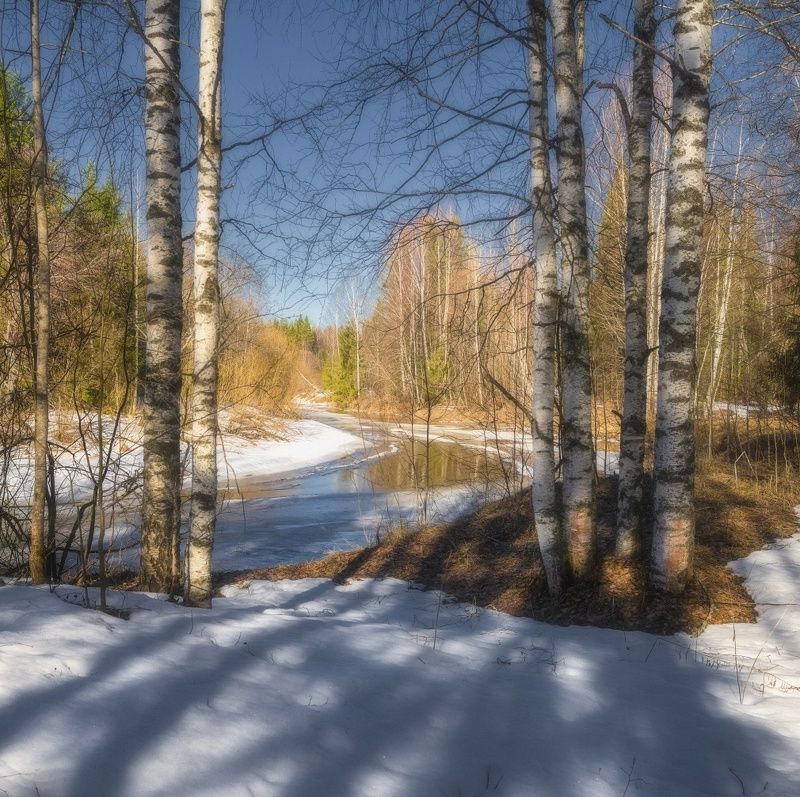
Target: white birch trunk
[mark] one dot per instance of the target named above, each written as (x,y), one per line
(198,585)
(673,532)
(545,304)
(721,325)
(634,412)
(38,551)
(658,200)
(576,421)
(163,310)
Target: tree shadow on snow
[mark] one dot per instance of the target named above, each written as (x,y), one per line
(297,700)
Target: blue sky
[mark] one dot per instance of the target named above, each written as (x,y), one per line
(296,211)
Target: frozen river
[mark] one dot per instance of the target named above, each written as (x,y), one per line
(397,476)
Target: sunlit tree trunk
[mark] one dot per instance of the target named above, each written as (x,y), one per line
(545,304)
(720,326)
(163,301)
(658,200)
(38,551)
(634,413)
(576,421)
(197,591)
(673,532)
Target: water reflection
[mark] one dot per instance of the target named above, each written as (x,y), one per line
(416,465)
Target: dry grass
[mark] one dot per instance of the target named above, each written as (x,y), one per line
(491,558)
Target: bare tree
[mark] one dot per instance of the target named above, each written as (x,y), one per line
(39,553)
(163,301)
(673,532)
(634,413)
(545,303)
(576,421)
(197,590)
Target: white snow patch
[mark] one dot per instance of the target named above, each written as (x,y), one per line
(377,689)
(308,443)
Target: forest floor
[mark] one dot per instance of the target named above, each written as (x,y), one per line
(490,558)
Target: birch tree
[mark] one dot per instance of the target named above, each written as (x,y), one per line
(634,412)
(197,590)
(163,301)
(576,428)
(545,302)
(38,550)
(673,532)
(720,322)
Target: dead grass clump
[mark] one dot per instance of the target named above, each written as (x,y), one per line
(491,558)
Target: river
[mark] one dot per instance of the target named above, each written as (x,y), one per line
(400,477)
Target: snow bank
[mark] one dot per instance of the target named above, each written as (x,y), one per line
(307,444)
(374,689)
(303,444)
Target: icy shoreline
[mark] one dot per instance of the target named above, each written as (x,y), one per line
(300,444)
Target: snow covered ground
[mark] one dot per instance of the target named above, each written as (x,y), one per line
(301,447)
(375,689)
(300,444)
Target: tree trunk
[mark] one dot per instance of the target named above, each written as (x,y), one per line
(39,555)
(576,421)
(673,532)
(197,590)
(545,312)
(163,300)
(634,404)
(658,200)
(721,322)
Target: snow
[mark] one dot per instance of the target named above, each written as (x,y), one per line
(302,444)
(378,689)
(512,445)
(308,443)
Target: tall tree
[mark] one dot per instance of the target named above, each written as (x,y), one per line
(576,421)
(634,404)
(545,301)
(197,590)
(673,532)
(163,302)
(38,552)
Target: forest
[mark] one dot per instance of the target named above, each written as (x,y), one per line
(399,399)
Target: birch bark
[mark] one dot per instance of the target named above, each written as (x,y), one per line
(576,421)
(202,527)
(545,313)
(721,322)
(673,531)
(163,301)
(634,406)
